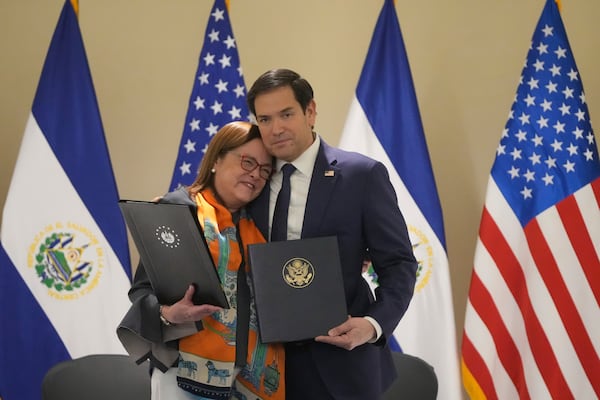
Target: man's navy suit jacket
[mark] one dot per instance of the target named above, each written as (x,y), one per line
(351,197)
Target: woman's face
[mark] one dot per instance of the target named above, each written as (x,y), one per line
(234,184)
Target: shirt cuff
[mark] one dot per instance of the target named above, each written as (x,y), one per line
(378,330)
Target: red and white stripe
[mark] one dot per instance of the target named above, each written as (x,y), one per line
(532,327)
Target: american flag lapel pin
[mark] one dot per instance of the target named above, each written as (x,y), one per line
(329,172)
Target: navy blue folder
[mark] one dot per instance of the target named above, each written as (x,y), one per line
(298,288)
(173,250)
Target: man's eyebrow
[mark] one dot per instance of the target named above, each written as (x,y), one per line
(287,109)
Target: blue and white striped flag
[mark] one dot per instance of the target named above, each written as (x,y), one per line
(218,95)
(384,123)
(64,257)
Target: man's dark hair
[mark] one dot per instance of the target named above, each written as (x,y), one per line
(277,78)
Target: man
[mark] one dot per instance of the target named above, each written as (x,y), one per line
(334,192)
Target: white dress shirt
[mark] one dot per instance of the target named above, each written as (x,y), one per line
(300,183)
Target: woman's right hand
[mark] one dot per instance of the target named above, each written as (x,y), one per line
(186,311)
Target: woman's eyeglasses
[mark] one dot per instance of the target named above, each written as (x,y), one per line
(250,164)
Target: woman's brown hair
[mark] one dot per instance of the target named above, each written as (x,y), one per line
(229,137)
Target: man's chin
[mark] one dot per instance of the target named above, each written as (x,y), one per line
(283,152)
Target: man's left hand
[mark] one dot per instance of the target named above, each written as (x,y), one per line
(352,333)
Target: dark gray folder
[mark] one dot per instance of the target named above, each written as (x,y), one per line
(174,251)
(298,288)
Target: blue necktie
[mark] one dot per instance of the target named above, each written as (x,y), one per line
(280,215)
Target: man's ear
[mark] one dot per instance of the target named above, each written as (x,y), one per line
(311,112)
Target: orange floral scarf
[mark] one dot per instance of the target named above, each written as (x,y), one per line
(207,358)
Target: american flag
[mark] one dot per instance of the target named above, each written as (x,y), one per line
(218,95)
(532,327)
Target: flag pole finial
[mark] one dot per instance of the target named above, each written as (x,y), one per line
(75,4)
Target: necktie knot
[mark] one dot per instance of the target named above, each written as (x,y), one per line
(287,170)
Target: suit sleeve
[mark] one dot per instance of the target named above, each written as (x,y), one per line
(390,250)
(141,331)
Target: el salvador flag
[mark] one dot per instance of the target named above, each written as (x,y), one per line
(64,257)
(384,123)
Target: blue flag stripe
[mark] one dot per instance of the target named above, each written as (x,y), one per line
(389,101)
(66,89)
(16,350)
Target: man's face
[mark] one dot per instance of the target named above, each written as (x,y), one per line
(285,129)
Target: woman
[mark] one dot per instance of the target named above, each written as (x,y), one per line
(203,351)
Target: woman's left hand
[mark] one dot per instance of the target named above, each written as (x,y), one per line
(186,311)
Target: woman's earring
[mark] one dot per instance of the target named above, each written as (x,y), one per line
(213,170)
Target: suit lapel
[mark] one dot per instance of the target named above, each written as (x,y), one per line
(325,175)
(260,211)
